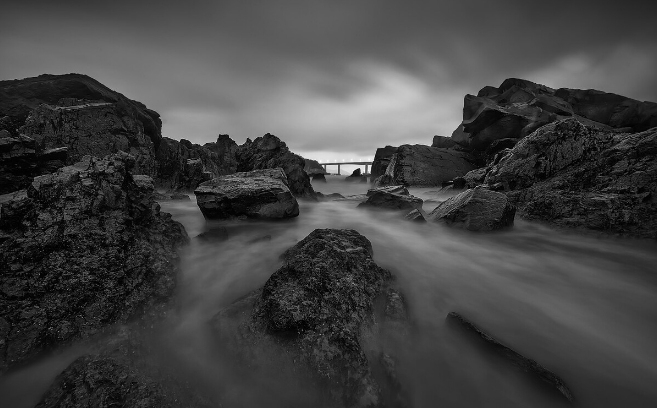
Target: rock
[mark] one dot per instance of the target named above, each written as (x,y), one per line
(415,215)
(383,181)
(518,107)
(443,142)
(355,176)
(381,161)
(417,165)
(525,364)
(385,198)
(319,177)
(476,177)
(332,196)
(477,209)
(269,152)
(574,175)
(318,308)
(81,249)
(313,168)
(459,183)
(402,190)
(254,194)
(182,166)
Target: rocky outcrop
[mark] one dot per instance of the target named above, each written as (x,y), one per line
(91,128)
(319,178)
(81,249)
(355,176)
(312,167)
(318,310)
(269,152)
(477,209)
(574,175)
(519,107)
(525,364)
(182,166)
(391,198)
(443,142)
(418,165)
(255,194)
(381,161)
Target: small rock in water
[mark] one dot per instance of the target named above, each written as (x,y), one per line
(386,199)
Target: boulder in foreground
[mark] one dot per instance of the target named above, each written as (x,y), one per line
(254,194)
(81,249)
(477,209)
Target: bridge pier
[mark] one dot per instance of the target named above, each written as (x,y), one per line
(324,168)
(338,169)
(366,166)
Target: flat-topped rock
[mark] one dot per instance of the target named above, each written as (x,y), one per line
(477,209)
(253,194)
(391,198)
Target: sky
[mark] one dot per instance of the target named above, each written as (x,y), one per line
(333,79)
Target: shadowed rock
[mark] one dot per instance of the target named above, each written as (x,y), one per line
(525,364)
(354,177)
(254,194)
(391,198)
(381,160)
(477,209)
(319,177)
(81,249)
(417,165)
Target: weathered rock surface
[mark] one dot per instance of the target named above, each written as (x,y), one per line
(255,194)
(312,167)
(381,161)
(574,175)
(182,166)
(319,177)
(519,107)
(477,209)
(81,249)
(355,176)
(525,364)
(418,165)
(269,152)
(443,142)
(319,308)
(391,198)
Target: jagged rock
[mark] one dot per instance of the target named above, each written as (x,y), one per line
(518,107)
(318,308)
(319,177)
(574,175)
(355,176)
(477,209)
(402,190)
(525,364)
(381,161)
(182,166)
(268,152)
(443,142)
(313,168)
(415,215)
(476,177)
(459,183)
(418,165)
(383,180)
(391,198)
(254,194)
(81,249)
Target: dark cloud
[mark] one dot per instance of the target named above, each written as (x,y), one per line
(329,76)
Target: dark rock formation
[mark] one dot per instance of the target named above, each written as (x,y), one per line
(312,167)
(81,249)
(355,176)
(575,175)
(381,161)
(527,365)
(182,166)
(391,198)
(477,209)
(332,196)
(476,177)
(416,215)
(319,308)
(269,152)
(418,165)
(319,177)
(443,142)
(254,194)
(518,107)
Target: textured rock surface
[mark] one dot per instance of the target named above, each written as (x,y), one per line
(182,166)
(254,194)
(519,107)
(381,161)
(477,209)
(391,198)
(269,152)
(81,249)
(318,306)
(443,142)
(575,175)
(312,167)
(418,165)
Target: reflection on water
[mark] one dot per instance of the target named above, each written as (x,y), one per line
(583,307)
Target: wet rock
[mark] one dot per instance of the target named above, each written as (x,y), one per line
(381,160)
(402,190)
(319,177)
(319,309)
(269,152)
(415,215)
(386,199)
(476,209)
(81,249)
(254,194)
(355,176)
(417,165)
(574,175)
(525,364)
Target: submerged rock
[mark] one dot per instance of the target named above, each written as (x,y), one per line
(477,209)
(319,308)
(81,249)
(525,364)
(254,194)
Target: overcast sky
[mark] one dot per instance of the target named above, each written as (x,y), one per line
(333,79)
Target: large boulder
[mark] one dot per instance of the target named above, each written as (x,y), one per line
(391,198)
(81,249)
(182,165)
(318,309)
(476,209)
(418,165)
(269,152)
(255,194)
(519,107)
(574,175)
(382,158)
